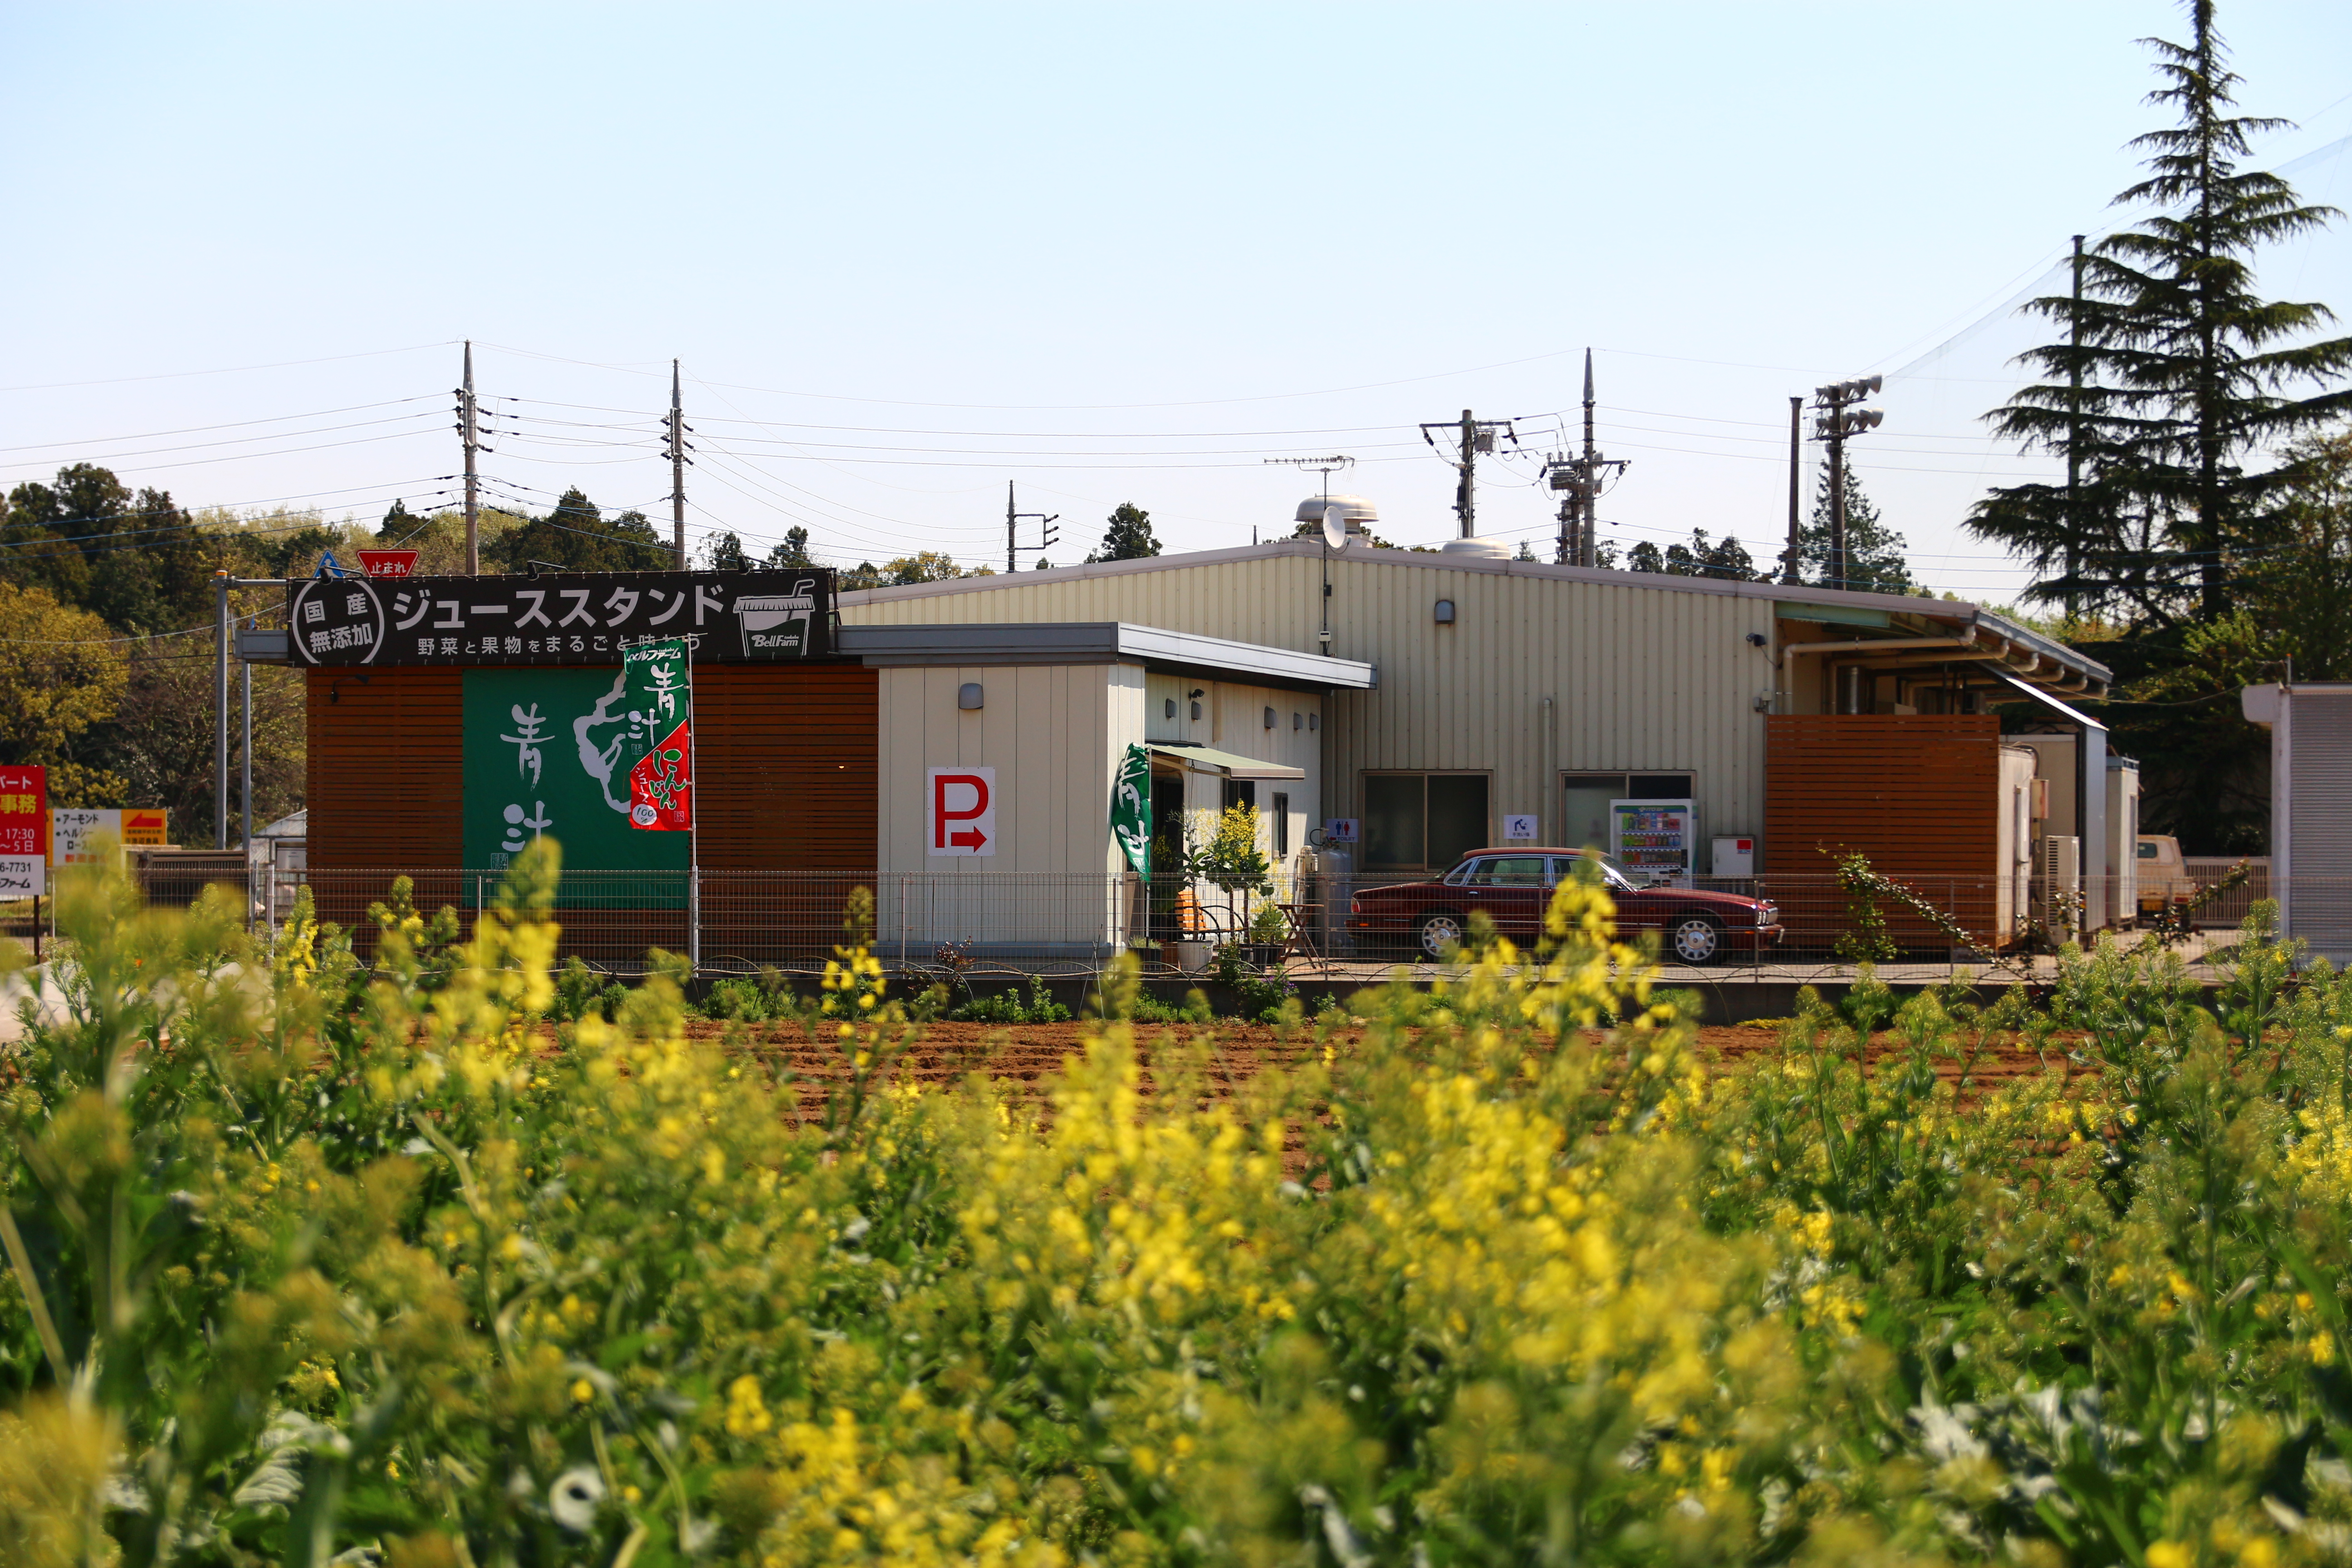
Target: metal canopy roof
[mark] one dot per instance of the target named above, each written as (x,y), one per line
(1102,642)
(1231,763)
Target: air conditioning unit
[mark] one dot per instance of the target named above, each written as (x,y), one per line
(2062,886)
(2062,863)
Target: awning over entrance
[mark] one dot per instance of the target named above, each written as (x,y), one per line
(1227,762)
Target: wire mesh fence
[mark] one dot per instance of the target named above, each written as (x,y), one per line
(948,925)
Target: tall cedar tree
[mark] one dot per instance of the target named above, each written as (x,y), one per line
(1128,537)
(1875,563)
(2185,372)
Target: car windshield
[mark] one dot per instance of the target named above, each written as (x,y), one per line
(1612,876)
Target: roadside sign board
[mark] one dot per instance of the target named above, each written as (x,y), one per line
(1519,827)
(563,617)
(24,831)
(146,825)
(73,832)
(388,562)
(962,810)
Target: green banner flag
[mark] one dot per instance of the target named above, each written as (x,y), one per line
(1131,809)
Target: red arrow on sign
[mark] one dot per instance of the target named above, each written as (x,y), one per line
(961,810)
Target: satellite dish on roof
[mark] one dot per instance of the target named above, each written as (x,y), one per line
(1335,528)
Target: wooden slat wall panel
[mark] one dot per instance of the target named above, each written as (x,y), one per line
(385,783)
(785,755)
(1918,794)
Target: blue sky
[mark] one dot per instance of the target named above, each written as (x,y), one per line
(1111,253)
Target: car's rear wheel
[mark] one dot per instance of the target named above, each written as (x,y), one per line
(1439,931)
(1696,940)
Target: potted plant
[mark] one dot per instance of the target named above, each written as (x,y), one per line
(1269,933)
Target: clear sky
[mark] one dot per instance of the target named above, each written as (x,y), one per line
(1109,252)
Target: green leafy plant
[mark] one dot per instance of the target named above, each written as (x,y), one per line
(1864,939)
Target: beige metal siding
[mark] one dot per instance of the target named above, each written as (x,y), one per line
(1641,679)
(1053,733)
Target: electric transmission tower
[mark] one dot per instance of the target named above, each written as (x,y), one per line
(1578,483)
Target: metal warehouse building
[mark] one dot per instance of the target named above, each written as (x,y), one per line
(1434,702)
(1798,719)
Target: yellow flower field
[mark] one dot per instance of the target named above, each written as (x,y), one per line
(313,1260)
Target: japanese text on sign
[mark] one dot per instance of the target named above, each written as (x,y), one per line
(563,618)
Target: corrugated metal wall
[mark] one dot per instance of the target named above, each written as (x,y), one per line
(1640,679)
(2319,825)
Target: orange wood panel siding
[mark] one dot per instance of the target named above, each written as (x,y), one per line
(1918,794)
(385,783)
(785,755)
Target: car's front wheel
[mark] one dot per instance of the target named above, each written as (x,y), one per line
(1696,940)
(1438,932)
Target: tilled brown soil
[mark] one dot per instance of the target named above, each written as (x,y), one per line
(1023,1057)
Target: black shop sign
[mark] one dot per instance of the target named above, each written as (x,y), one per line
(573,617)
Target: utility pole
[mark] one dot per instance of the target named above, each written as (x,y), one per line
(1793,556)
(2075,435)
(1046,534)
(1578,479)
(472,438)
(221,580)
(1476,436)
(1839,420)
(677,462)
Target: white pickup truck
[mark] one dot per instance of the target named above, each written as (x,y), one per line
(2163,877)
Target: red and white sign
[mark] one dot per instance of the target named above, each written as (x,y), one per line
(961,803)
(24,831)
(388,562)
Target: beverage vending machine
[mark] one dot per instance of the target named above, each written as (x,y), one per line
(1654,840)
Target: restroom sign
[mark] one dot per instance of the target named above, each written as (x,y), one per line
(961,803)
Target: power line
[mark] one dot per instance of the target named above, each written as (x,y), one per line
(225,370)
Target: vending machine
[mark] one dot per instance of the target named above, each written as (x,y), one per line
(1654,840)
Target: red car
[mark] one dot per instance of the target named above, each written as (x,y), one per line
(1513,886)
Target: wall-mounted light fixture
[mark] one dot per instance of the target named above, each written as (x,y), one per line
(1168,708)
(1196,701)
(1298,721)
(1756,640)
(1269,717)
(1315,721)
(1444,611)
(968,696)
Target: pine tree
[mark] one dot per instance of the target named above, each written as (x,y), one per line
(1128,538)
(1874,560)
(2185,372)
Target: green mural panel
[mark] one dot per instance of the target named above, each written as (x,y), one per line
(548,752)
